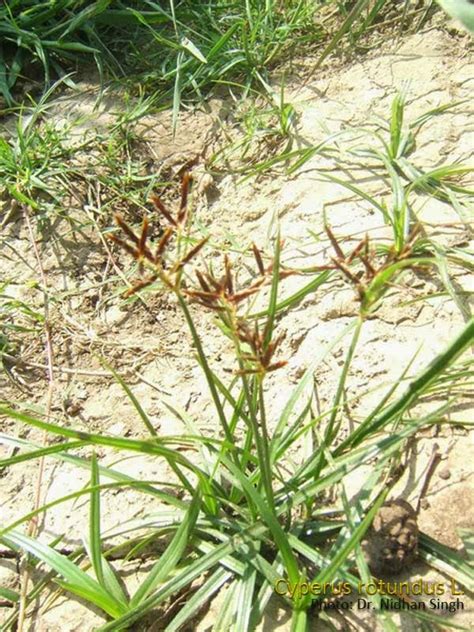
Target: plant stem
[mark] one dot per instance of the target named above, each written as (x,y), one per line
(265,441)
(207,371)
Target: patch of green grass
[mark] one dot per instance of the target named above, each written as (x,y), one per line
(181,49)
(386,148)
(33,157)
(266,125)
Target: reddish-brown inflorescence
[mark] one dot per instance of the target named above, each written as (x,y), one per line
(220,294)
(367,256)
(214,292)
(138,248)
(262,354)
(217,294)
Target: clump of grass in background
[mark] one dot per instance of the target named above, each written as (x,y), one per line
(177,47)
(387,148)
(33,157)
(180,49)
(247,515)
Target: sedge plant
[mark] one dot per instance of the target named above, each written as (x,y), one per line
(249,517)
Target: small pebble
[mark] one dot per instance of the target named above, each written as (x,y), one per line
(444,474)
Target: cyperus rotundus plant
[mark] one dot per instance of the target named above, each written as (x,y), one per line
(252,506)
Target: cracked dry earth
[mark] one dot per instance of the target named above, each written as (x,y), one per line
(147,341)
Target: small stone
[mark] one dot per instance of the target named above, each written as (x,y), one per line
(444,473)
(72,407)
(117,429)
(115,316)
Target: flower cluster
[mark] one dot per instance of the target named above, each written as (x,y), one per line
(220,294)
(368,257)
(155,258)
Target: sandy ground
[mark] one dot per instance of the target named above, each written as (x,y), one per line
(150,348)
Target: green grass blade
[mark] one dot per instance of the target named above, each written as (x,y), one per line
(207,370)
(131,396)
(357,190)
(226,615)
(9,595)
(298,296)
(107,472)
(95,542)
(415,389)
(77,581)
(267,590)
(245,596)
(172,555)
(273,293)
(396,125)
(331,429)
(74,495)
(447,561)
(178,582)
(145,447)
(461,303)
(339,556)
(200,599)
(344,28)
(268,516)
(37,454)
(299,621)
(177,92)
(462,10)
(298,391)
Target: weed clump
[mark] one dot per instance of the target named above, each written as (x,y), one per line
(250,510)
